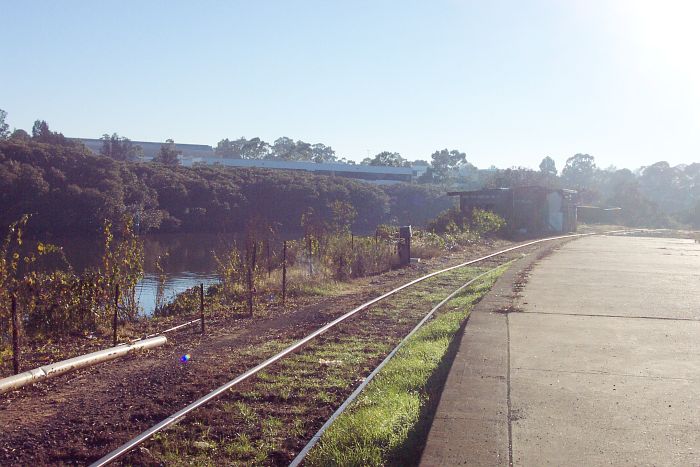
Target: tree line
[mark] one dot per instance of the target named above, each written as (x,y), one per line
(658,195)
(73,189)
(69,190)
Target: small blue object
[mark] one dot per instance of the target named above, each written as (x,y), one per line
(185,358)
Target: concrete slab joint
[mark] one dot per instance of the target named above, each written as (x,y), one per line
(599,365)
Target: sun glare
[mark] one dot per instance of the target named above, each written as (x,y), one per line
(667,34)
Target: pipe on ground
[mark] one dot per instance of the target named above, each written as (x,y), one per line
(83,361)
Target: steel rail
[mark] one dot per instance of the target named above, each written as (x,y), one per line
(144,436)
(317,437)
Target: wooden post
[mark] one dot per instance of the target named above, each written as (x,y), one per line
(284,272)
(15,336)
(201,305)
(352,241)
(308,249)
(269,263)
(404,245)
(251,284)
(116,313)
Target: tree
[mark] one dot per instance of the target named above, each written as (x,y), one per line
(168,153)
(343,214)
(662,184)
(518,176)
(255,149)
(579,171)
(321,153)
(548,167)
(227,149)
(284,148)
(40,130)
(42,134)
(20,135)
(4,127)
(119,148)
(243,149)
(387,159)
(446,164)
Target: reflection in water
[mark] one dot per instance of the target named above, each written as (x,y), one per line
(147,288)
(188,260)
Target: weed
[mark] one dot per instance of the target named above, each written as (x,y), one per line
(246,412)
(377,428)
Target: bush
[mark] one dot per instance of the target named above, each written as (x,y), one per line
(56,301)
(359,257)
(449,221)
(486,222)
(454,222)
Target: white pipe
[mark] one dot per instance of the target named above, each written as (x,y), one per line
(83,361)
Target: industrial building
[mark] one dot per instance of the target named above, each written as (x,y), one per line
(150,149)
(200,154)
(370,173)
(528,210)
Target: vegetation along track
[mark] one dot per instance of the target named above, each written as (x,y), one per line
(267,419)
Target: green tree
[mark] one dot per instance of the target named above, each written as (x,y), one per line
(40,130)
(119,148)
(321,153)
(663,184)
(168,154)
(343,214)
(43,134)
(518,176)
(284,149)
(4,127)
(242,148)
(548,167)
(446,164)
(20,135)
(387,159)
(227,149)
(579,171)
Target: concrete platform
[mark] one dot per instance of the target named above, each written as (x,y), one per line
(602,364)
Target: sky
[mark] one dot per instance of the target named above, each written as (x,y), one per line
(506,82)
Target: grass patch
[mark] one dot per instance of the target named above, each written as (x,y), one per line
(381,425)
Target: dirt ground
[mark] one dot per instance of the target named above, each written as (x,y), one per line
(77,418)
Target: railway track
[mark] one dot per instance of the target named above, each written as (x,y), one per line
(208,413)
(267,418)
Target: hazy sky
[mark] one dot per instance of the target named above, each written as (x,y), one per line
(507,82)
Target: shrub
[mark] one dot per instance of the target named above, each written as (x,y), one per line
(486,222)
(454,222)
(449,221)
(358,257)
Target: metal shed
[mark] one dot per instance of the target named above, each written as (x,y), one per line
(528,210)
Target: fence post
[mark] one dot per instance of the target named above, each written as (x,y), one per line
(308,249)
(251,285)
(201,305)
(116,313)
(269,264)
(352,241)
(284,272)
(15,336)
(404,245)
